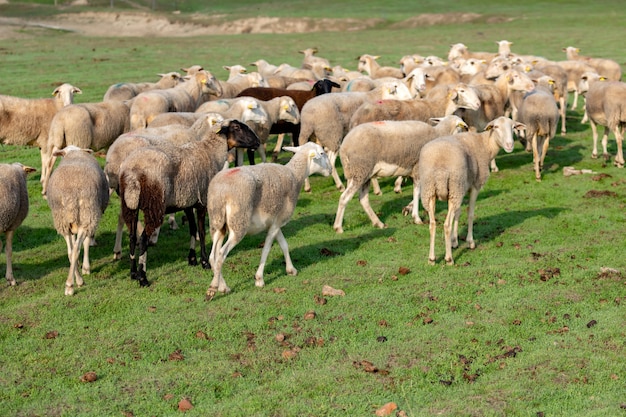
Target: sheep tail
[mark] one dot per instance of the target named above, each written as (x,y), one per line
(130,189)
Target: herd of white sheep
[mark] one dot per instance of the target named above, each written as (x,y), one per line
(170,143)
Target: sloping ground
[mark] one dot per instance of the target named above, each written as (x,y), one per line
(109,24)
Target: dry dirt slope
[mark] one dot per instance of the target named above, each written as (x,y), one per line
(129,24)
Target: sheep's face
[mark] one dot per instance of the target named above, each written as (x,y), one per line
(502,130)
(466,97)
(318,161)
(239,135)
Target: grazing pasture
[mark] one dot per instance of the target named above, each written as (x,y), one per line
(531,322)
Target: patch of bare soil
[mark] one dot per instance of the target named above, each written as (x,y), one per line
(139,24)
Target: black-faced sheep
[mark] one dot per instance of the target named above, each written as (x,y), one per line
(255,198)
(13,207)
(157,181)
(78,194)
(450,166)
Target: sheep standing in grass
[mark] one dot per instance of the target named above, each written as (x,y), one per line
(384,149)
(26,121)
(253,198)
(157,181)
(13,207)
(450,166)
(605,105)
(609,68)
(126,91)
(185,97)
(326,118)
(540,114)
(87,125)
(369,65)
(78,194)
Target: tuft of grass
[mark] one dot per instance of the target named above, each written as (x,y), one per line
(530,322)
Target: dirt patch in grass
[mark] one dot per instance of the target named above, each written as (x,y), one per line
(140,24)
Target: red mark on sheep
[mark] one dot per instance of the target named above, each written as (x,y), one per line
(233,171)
(379,122)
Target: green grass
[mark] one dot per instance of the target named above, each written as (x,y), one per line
(508,331)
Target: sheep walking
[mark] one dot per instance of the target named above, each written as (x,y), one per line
(87,125)
(384,149)
(540,114)
(185,97)
(254,198)
(13,207)
(450,166)
(157,181)
(126,91)
(26,121)
(326,118)
(605,105)
(78,194)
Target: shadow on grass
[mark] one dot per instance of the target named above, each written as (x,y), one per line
(488,228)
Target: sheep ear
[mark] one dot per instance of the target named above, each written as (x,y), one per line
(28,169)
(435,120)
(293,149)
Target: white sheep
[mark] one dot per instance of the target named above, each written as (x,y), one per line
(254,198)
(232,87)
(126,91)
(185,97)
(13,207)
(604,105)
(540,114)
(609,68)
(157,180)
(326,118)
(78,194)
(369,65)
(264,67)
(26,121)
(86,125)
(574,69)
(384,149)
(450,166)
(459,51)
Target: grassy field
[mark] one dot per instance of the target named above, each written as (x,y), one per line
(530,323)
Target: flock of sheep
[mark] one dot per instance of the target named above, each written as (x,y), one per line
(169,144)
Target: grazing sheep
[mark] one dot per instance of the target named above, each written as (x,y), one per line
(605,105)
(157,181)
(441,101)
(326,118)
(254,198)
(300,97)
(87,125)
(607,67)
(13,207)
(185,97)
(450,166)
(26,121)
(78,194)
(384,149)
(540,114)
(232,87)
(126,91)
(460,51)
(369,65)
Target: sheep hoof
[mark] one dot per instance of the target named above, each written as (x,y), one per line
(418,220)
(472,245)
(210,293)
(618,164)
(69,290)
(258,282)
(206,265)
(338,229)
(431,261)
(293,272)
(11,282)
(117,256)
(594,156)
(408,209)
(144,282)
(191,258)
(450,261)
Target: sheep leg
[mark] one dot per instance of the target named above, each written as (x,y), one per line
(86,267)
(346,196)
(536,157)
(250,153)
(332,157)
(143,257)
(117,247)
(619,157)
(364,199)
(544,151)
(594,134)
(217,262)
(563,113)
(415,204)
(494,167)
(9,254)
(221,252)
(470,217)
(575,102)
(605,143)
(282,242)
(585,118)
(432,228)
(278,147)
(192,260)
(131,220)
(201,213)
(448,227)
(397,185)
(239,158)
(376,187)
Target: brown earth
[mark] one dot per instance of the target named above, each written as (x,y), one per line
(138,24)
